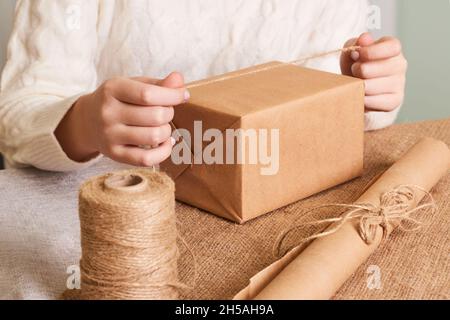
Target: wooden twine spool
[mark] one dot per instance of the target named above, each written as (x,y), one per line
(128,237)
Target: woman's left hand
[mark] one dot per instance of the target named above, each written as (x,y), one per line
(382,65)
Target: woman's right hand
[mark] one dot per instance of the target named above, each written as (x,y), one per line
(120,117)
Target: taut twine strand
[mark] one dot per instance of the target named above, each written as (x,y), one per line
(395,208)
(270,67)
(129,237)
(273,66)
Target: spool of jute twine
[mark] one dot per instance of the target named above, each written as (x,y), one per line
(128,237)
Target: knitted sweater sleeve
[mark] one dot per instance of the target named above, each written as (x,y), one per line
(50,64)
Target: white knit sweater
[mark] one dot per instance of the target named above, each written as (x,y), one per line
(62,49)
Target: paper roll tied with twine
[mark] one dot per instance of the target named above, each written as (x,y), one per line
(128,237)
(320,269)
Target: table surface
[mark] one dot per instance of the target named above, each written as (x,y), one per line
(39,233)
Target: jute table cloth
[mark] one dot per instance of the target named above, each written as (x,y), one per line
(39,233)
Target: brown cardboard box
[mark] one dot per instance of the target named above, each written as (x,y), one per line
(319,118)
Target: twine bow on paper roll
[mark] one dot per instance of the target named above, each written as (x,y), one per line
(396,207)
(128,237)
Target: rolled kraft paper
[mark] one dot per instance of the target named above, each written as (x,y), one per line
(128,237)
(321,269)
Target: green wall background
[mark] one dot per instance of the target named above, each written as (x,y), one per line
(424,28)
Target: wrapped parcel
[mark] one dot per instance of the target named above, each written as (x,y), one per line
(258,139)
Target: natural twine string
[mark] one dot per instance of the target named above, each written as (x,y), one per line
(129,237)
(395,208)
(269,67)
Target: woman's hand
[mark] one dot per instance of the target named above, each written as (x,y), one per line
(383,67)
(122,115)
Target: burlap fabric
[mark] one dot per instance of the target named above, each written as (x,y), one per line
(413,266)
(39,233)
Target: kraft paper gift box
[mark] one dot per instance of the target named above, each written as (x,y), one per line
(312,120)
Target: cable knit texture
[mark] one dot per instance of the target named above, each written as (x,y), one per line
(62,49)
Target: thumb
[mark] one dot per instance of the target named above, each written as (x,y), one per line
(350,57)
(175,80)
